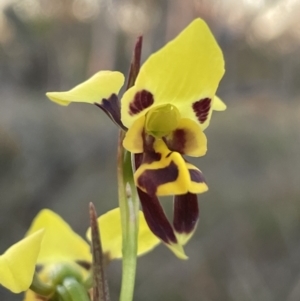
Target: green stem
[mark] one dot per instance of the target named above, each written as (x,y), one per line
(129,206)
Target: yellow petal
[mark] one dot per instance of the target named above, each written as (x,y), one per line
(60,242)
(133,140)
(111,234)
(185,71)
(187,139)
(100,86)
(17,264)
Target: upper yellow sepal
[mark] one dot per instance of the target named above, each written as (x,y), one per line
(187,69)
(17,264)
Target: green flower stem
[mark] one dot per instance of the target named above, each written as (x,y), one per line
(129,205)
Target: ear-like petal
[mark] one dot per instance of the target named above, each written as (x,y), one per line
(133,140)
(111,234)
(185,73)
(187,139)
(100,86)
(60,242)
(17,264)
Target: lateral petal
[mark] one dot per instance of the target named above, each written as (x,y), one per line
(101,85)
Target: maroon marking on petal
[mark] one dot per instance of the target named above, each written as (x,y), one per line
(201,109)
(186,212)
(151,157)
(196,176)
(150,179)
(138,159)
(111,107)
(156,218)
(142,100)
(177,142)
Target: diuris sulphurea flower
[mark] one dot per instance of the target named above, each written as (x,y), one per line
(52,246)
(164,114)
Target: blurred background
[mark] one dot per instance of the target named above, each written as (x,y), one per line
(247,246)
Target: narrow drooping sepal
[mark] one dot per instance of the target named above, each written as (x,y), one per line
(159,224)
(17,264)
(100,286)
(186,215)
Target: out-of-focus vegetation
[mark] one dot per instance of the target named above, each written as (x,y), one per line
(247,246)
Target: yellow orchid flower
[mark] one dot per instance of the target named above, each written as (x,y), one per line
(172,98)
(50,242)
(164,115)
(17,264)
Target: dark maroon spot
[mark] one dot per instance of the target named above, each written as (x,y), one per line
(142,100)
(196,176)
(177,142)
(201,109)
(150,179)
(156,217)
(186,212)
